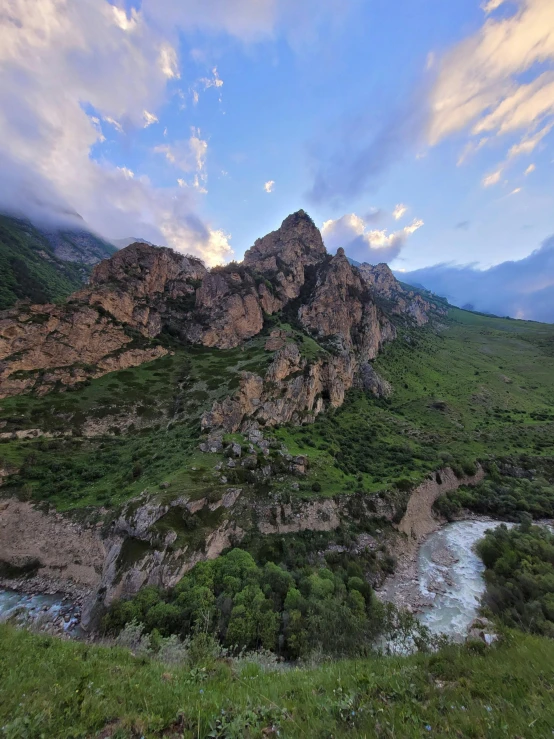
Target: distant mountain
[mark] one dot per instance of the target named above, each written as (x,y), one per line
(122,243)
(44,265)
(78,245)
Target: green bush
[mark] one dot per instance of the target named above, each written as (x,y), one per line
(520,576)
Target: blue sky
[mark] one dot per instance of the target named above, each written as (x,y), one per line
(165,119)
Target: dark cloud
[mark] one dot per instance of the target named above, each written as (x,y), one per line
(521,289)
(462,226)
(357,156)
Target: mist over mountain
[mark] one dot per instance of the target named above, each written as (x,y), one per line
(520,289)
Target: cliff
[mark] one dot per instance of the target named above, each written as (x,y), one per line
(142,292)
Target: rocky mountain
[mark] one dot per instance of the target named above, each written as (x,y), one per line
(143,293)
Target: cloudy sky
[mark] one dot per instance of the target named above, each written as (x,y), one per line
(417,132)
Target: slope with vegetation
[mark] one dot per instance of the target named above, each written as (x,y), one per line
(66,689)
(44,266)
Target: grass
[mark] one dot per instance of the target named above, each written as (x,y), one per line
(65,689)
(473,388)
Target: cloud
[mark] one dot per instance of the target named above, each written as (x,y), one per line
(531,168)
(366,244)
(399,211)
(529,142)
(521,289)
(354,157)
(269,185)
(479,85)
(248,20)
(493,178)
(65,68)
(516,191)
(462,226)
(149,118)
(188,156)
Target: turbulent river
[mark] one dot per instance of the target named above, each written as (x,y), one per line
(450,573)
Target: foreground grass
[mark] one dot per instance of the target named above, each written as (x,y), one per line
(50,688)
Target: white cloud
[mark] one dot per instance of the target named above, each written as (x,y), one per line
(126,172)
(269,185)
(479,85)
(531,168)
(493,178)
(149,118)
(72,58)
(516,191)
(247,20)
(492,5)
(399,211)
(363,243)
(188,156)
(529,143)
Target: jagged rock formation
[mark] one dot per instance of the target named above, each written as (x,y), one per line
(142,291)
(144,287)
(400,301)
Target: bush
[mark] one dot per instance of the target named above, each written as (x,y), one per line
(520,576)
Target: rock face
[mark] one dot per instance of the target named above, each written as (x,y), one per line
(41,345)
(144,286)
(384,285)
(282,257)
(142,291)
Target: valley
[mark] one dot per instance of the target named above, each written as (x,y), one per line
(268,457)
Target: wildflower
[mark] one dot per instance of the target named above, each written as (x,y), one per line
(488,708)
(427,727)
(201,691)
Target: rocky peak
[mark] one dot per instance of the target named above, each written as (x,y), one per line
(342,309)
(381,279)
(282,255)
(146,270)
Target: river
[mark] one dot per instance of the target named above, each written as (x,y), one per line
(52,612)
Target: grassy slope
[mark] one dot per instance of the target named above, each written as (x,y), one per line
(29,268)
(171,393)
(479,387)
(65,689)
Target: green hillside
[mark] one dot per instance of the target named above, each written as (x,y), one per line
(471,388)
(30,269)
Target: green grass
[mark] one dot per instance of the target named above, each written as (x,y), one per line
(63,689)
(472,388)
(30,270)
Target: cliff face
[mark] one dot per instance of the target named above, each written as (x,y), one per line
(384,284)
(142,291)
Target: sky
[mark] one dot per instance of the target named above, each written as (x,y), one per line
(415,132)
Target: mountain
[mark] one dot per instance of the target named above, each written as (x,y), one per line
(44,265)
(258,445)
(122,243)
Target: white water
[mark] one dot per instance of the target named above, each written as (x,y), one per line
(46,609)
(451,574)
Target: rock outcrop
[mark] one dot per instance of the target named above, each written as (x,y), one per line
(400,301)
(42,345)
(142,291)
